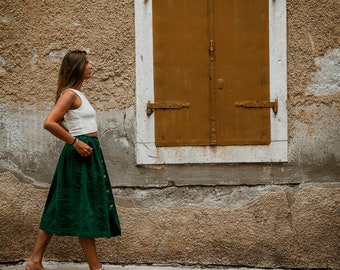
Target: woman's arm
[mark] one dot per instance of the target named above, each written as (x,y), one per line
(53,122)
(54,118)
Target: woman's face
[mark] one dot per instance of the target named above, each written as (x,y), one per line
(88,69)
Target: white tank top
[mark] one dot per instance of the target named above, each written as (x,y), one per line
(82,120)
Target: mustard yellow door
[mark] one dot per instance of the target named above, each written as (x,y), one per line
(212,55)
(242,62)
(181,71)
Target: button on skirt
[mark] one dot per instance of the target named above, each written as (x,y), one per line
(80,201)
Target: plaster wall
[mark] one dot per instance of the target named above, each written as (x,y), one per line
(34,36)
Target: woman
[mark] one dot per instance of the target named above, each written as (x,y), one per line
(80,201)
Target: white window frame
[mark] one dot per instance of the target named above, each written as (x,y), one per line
(146,150)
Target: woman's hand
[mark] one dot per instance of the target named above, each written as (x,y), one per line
(82,148)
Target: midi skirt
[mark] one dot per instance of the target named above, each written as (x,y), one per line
(80,201)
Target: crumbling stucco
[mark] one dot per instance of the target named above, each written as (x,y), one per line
(227,214)
(326,80)
(313,35)
(36,34)
(313,84)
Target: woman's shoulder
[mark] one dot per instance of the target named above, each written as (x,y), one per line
(68,91)
(68,95)
(71,92)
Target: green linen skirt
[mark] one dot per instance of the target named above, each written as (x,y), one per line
(80,200)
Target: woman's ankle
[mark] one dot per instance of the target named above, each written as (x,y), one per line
(33,265)
(96,268)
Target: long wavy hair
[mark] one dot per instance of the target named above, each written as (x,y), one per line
(71,71)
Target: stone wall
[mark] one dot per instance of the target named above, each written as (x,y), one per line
(285,227)
(262,215)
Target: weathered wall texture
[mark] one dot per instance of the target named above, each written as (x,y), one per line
(286,227)
(313,85)
(262,215)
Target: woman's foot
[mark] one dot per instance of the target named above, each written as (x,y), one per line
(30,265)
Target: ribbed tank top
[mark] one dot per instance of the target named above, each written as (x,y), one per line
(82,120)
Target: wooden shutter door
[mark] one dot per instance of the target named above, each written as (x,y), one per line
(242,68)
(181,71)
(211,54)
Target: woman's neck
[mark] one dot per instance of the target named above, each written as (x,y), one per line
(78,87)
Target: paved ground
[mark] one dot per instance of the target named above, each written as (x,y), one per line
(80,266)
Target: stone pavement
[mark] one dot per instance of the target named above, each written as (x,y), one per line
(83,266)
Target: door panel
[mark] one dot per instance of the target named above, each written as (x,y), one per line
(242,61)
(184,72)
(181,71)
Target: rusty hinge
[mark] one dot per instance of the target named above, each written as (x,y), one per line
(165,105)
(258,104)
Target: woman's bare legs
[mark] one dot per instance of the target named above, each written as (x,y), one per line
(35,261)
(43,238)
(89,247)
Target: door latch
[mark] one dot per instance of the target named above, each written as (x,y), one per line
(165,105)
(258,104)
